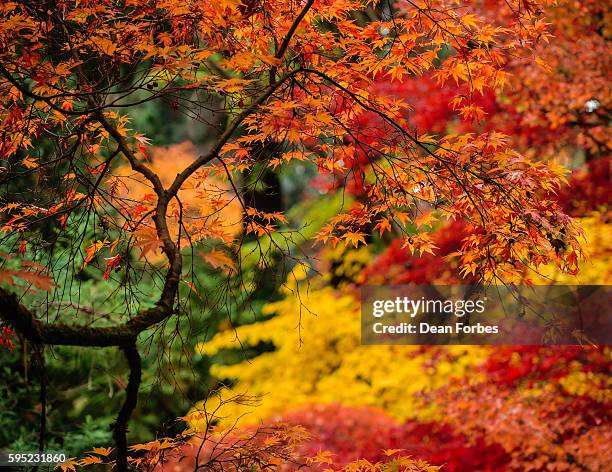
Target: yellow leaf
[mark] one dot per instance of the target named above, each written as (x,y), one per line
(30,163)
(425,219)
(390,452)
(70,464)
(354,238)
(147,241)
(92,250)
(89,460)
(322,457)
(219,260)
(106,45)
(103,451)
(470,20)
(383,225)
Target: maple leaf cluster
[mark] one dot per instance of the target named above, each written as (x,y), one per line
(312,94)
(396,266)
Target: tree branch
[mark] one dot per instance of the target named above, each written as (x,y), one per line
(285,44)
(28,93)
(287,40)
(127,152)
(36,331)
(414,139)
(227,134)
(131,399)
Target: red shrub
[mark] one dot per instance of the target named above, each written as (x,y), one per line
(361,432)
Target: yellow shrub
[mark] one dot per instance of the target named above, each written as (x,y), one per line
(319,359)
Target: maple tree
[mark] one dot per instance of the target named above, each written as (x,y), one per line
(570,423)
(351,433)
(562,101)
(293,82)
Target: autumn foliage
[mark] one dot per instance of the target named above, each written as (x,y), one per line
(317,106)
(341,143)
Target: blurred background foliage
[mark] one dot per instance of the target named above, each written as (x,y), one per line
(287,354)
